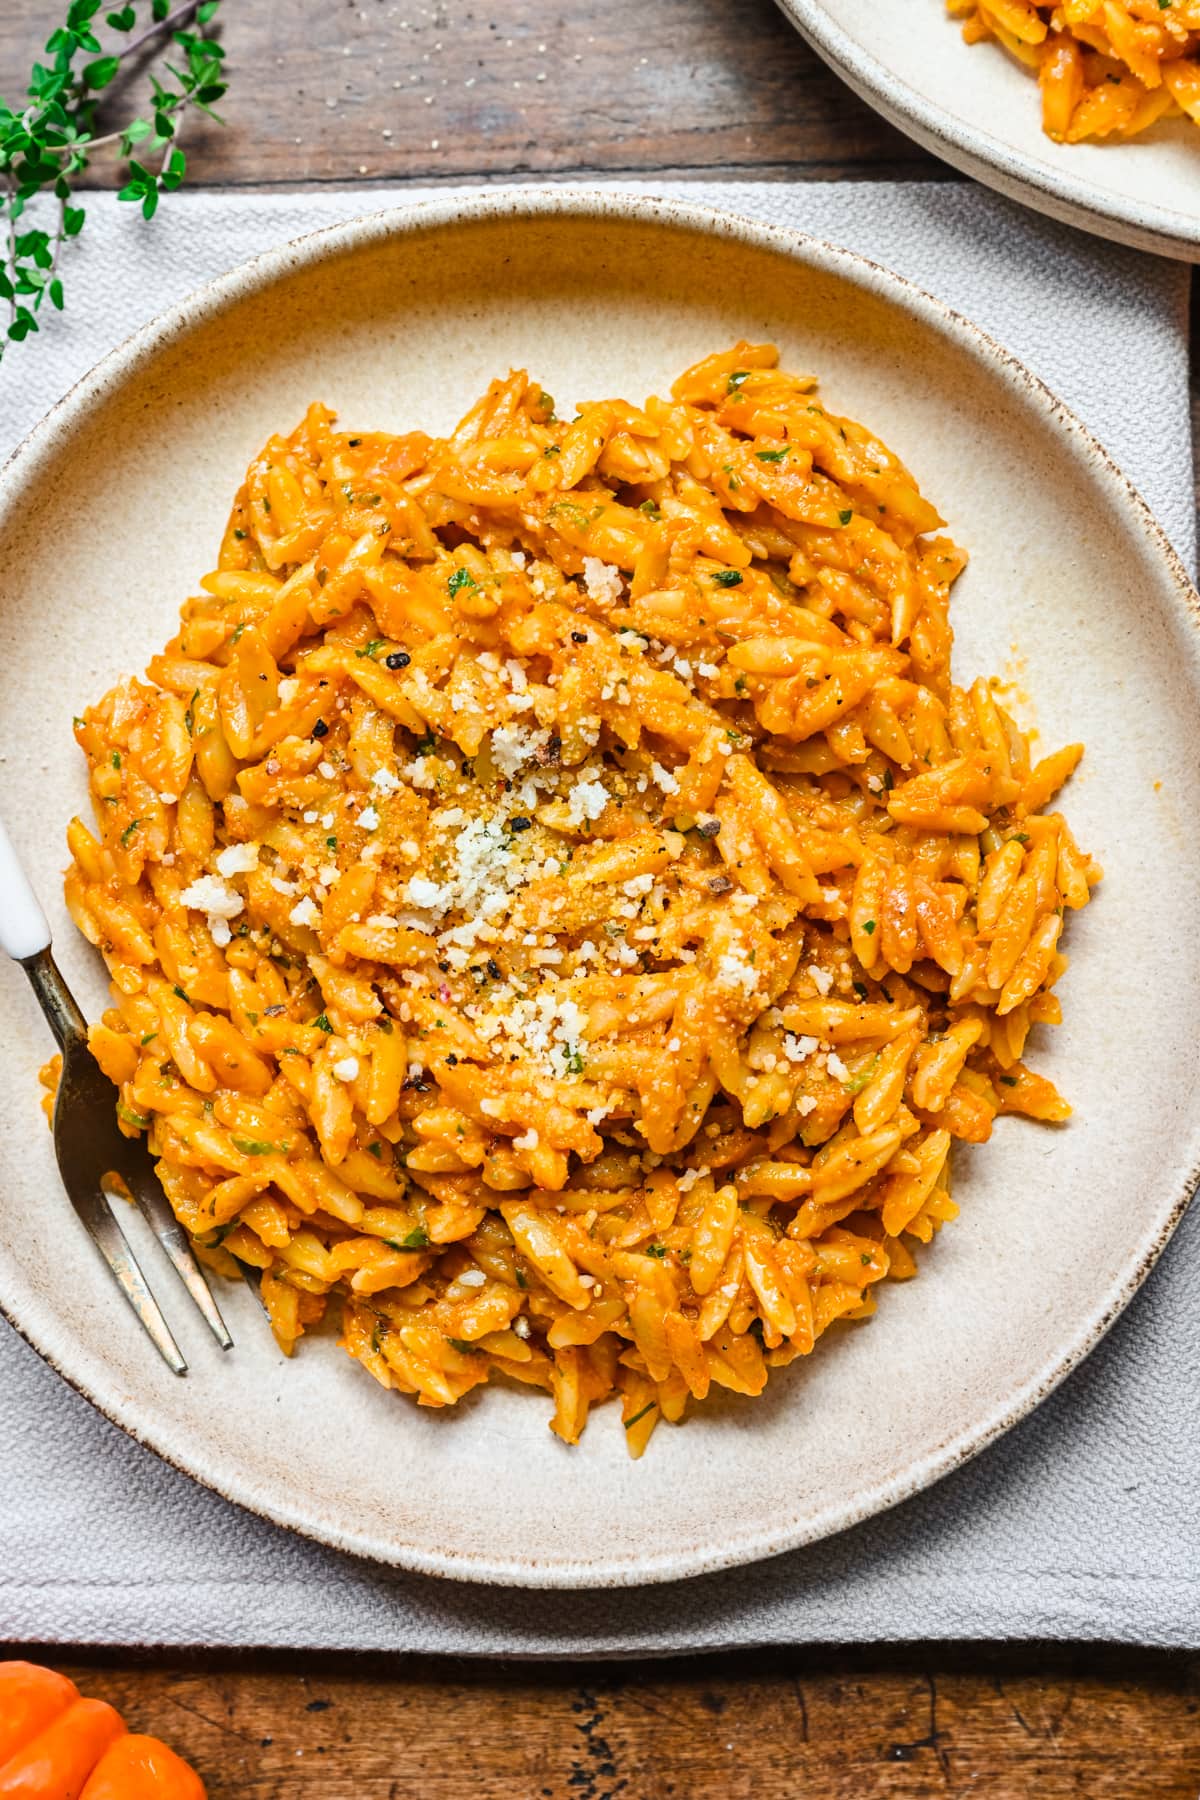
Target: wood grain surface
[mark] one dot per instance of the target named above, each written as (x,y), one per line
(833,1725)
(397,89)
(384,90)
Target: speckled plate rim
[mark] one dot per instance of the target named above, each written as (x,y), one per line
(1159,229)
(1160,1219)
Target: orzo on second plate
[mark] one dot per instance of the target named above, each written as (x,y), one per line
(1106,68)
(558,903)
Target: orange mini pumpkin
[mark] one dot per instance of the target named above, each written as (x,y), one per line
(55,1745)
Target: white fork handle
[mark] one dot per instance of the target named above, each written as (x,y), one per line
(23,928)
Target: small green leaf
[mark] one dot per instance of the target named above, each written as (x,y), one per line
(173,170)
(98,74)
(258,1147)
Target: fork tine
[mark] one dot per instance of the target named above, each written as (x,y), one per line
(154,1207)
(97,1215)
(253,1280)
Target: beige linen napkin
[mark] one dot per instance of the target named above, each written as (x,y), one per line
(1084,1522)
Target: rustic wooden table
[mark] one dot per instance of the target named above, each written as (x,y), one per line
(374,91)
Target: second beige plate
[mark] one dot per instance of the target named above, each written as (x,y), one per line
(980,110)
(115,507)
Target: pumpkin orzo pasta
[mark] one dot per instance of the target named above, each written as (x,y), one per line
(558,905)
(1107,68)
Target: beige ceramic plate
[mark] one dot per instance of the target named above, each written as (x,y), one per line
(115,506)
(977,108)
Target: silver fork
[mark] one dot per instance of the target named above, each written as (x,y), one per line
(93,1155)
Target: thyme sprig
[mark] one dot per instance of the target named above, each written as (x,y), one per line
(46,145)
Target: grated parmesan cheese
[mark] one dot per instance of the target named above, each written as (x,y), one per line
(236,859)
(734,973)
(602,581)
(587,801)
(209,895)
(514,745)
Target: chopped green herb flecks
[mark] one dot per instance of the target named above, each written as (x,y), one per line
(416,1239)
(858,1082)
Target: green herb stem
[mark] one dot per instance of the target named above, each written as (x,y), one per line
(46,145)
